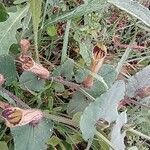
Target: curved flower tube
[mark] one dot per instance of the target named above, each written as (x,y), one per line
(99,54)
(15,116)
(28,64)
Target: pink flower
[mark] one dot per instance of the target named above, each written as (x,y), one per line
(28,64)
(15,116)
(99,54)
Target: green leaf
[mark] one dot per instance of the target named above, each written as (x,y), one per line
(65,70)
(32,137)
(51,31)
(3,145)
(30,81)
(77,104)
(134,8)
(139,80)
(85,46)
(3,13)
(9,28)
(104,107)
(8,69)
(35,7)
(59,87)
(117,138)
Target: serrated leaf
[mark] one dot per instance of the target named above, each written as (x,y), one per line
(8,69)
(9,28)
(117,138)
(104,107)
(134,8)
(65,70)
(139,80)
(30,81)
(3,145)
(32,137)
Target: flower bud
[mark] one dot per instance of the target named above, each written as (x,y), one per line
(15,116)
(99,54)
(2,80)
(24,44)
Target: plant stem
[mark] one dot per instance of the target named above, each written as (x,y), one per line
(14,98)
(60,119)
(65,42)
(75,86)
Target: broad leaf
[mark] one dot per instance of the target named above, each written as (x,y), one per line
(8,69)
(32,137)
(134,8)
(8,29)
(117,138)
(77,104)
(65,70)
(104,107)
(29,81)
(139,80)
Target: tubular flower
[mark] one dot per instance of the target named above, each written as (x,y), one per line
(15,116)
(24,44)
(99,54)
(2,80)
(28,64)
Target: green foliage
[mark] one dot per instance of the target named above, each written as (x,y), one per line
(68,56)
(104,107)
(29,81)
(52,31)
(65,70)
(35,7)
(3,12)
(9,28)
(8,69)
(30,137)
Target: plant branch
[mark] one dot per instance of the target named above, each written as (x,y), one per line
(60,119)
